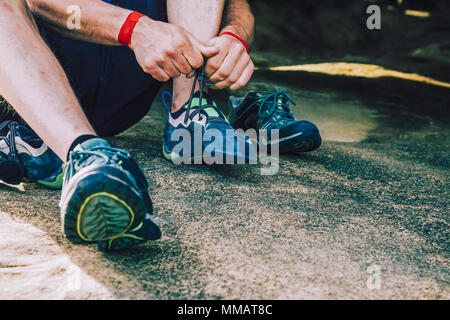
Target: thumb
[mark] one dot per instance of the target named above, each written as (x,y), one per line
(211,42)
(207,50)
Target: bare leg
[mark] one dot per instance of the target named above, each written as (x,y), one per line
(202,18)
(32,80)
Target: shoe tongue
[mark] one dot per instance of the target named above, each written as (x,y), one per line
(91,144)
(266,110)
(195,104)
(252,113)
(212,111)
(196,100)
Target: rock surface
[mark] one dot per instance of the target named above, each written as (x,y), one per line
(373,197)
(376,193)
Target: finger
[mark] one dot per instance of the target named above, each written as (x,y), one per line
(158,74)
(206,50)
(182,65)
(170,69)
(213,64)
(231,62)
(193,57)
(212,42)
(245,77)
(191,74)
(178,70)
(236,73)
(209,52)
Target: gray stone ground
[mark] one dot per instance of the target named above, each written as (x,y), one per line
(376,193)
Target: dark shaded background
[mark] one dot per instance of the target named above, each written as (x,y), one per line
(310,30)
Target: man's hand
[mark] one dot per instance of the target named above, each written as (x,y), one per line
(232,67)
(166,51)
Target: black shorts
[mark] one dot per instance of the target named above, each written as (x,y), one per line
(112,89)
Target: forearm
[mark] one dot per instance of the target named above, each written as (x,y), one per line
(100,21)
(239,19)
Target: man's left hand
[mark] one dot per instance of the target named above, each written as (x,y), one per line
(232,67)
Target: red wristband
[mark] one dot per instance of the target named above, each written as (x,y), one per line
(237,37)
(127,29)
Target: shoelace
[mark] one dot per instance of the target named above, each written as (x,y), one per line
(267,96)
(200,78)
(78,158)
(11,142)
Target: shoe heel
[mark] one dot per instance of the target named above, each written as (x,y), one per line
(11,171)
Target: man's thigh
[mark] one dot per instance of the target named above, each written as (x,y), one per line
(112,88)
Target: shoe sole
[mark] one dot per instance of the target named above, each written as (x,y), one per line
(101,205)
(297,143)
(55,184)
(301,144)
(295,146)
(172,157)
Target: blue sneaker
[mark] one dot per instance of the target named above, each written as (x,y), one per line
(25,157)
(211,137)
(104,196)
(270,110)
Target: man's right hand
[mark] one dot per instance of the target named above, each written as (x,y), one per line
(166,50)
